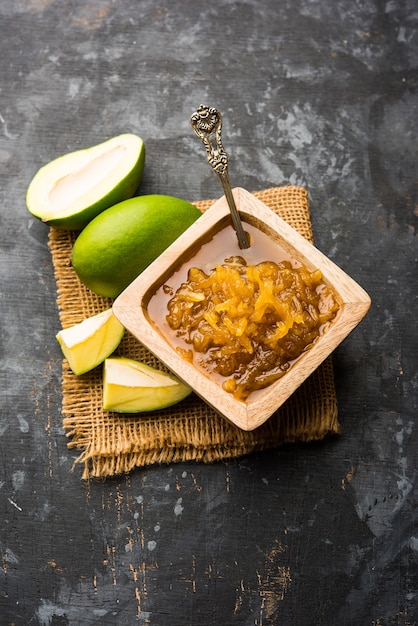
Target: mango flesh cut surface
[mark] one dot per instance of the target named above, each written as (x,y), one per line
(71,190)
(89,343)
(130,386)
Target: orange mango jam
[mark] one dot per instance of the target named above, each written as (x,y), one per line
(251,321)
(246,322)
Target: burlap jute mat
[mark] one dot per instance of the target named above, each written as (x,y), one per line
(113,444)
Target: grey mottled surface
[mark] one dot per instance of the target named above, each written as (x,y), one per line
(315,93)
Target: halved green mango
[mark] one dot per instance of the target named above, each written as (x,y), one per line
(71,190)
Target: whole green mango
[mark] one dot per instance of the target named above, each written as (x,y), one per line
(118,244)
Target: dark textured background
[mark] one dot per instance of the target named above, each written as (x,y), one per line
(317,93)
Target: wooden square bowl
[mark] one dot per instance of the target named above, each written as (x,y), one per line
(142,314)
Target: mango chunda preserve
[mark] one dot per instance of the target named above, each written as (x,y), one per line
(248,323)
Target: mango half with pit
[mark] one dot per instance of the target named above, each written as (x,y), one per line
(71,190)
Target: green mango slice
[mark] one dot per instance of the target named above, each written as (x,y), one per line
(130,386)
(87,344)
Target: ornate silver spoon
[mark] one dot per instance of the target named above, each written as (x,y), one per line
(207,124)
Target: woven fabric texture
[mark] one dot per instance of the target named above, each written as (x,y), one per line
(111,444)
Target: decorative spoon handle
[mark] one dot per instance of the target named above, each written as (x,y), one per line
(207,124)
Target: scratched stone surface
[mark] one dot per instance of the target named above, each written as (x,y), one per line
(315,93)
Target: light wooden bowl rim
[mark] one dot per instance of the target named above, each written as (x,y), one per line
(131,309)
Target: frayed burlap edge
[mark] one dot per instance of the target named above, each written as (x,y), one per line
(113,444)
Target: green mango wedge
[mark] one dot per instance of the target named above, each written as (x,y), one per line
(130,386)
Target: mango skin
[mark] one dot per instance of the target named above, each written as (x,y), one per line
(117,245)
